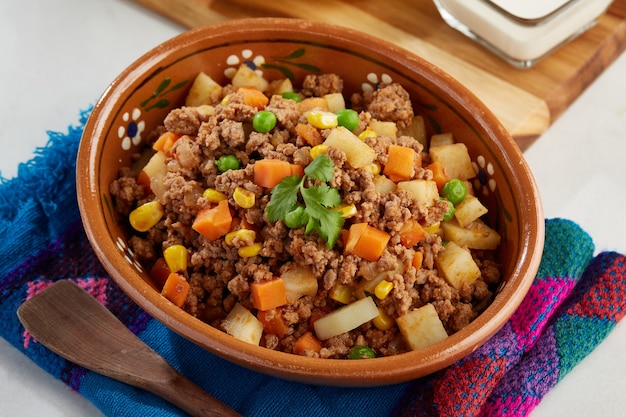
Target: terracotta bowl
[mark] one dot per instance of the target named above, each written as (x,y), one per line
(143,94)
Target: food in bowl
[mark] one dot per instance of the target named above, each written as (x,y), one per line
(309,222)
(140,98)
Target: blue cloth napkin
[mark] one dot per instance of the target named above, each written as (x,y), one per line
(43,241)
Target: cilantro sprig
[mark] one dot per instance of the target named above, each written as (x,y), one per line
(287,195)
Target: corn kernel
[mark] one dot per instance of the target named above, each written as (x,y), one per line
(341,293)
(144,217)
(368,133)
(214,196)
(244,198)
(346,210)
(433,228)
(318,150)
(225,100)
(383,321)
(322,119)
(176,258)
(374,168)
(250,250)
(382,289)
(246,235)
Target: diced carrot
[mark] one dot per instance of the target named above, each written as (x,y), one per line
(353,235)
(297,170)
(307,342)
(371,244)
(253,97)
(366,241)
(144,179)
(439,173)
(400,163)
(411,233)
(268,294)
(176,289)
(273,322)
(269,172)
(159,272)
(418,258)
(312,103)
(309,133)
(165,142)
(213,222)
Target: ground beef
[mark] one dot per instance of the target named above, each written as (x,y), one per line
(286,111)
(319,85)
(126,192)
(220,277)
(183,121)
(392,102)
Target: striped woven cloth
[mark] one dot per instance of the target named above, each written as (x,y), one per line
(573,304)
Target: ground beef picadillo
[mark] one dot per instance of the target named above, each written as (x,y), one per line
(219,277)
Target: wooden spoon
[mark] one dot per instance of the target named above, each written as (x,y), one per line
(74,325)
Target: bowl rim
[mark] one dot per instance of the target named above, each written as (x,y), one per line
(379,371)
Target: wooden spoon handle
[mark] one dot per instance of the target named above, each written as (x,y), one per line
(73,324)
(188,396)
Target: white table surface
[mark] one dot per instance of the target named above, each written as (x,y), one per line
(58,56)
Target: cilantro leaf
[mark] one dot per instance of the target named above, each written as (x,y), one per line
(284,198)
(330,226)
(318,200)
(322,194)
(321,169)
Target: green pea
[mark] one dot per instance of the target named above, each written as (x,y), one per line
(264,121)
(296,218)
(361,352)
(348,118)
(311,225)
(290,95)
(450,214)
(454,191)
(227,162)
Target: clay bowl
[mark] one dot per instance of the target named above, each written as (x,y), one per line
(143,94)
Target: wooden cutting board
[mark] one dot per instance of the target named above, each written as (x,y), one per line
(527,101)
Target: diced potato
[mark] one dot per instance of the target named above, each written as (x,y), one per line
(425,191)
(469,210)
(441,139)
(358,153)
(299,281)
(335,102)
(469,187)
(384,128)
(384,185)
(205,110)
(281,86)
(241,324)
(204,90)
(476,235)
(156,169)
(246,77)
(455,159)
(457,265)
(345,318)
(421,327)
(417,130)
